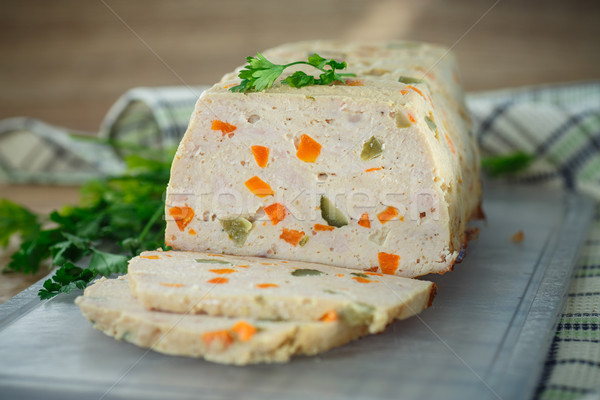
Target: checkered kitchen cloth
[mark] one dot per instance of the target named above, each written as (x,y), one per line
(560,125)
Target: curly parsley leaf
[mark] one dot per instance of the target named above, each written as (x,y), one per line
(16,219)
(66,278)
(260,73)
(121,213)
(108,263)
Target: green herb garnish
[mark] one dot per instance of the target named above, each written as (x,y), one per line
(360,275)
(507,164)
(260,73)
(120,214)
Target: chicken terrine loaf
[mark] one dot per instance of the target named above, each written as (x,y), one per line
(379,174)
(231,286)
(112,309)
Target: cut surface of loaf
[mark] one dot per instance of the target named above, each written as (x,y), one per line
(193,282)
(379,174)
(112,309)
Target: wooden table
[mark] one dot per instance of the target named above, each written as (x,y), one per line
(68,61)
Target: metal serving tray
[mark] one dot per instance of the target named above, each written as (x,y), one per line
(486,336)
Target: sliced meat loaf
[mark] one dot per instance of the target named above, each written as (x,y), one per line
(192,282)
(112,309)
(381,173)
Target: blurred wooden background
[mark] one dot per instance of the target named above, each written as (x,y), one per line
(67,61)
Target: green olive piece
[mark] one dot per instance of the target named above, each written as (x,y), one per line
(331,214)
(407,80)
(210,261)
(357,314)
(371,149)
(237,229)
(303,241)
(431,124)
(306,272)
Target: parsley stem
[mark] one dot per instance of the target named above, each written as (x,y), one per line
(159,211)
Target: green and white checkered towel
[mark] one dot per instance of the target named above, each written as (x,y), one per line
(559,125)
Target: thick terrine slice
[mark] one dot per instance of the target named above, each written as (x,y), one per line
(191,282)
(112,309)
(379,174)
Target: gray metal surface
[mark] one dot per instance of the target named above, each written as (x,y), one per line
(485,337)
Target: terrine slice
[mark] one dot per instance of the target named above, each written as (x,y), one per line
(191,282)
(112,309)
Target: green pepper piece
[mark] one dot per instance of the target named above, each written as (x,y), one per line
(360,275)
(357,314)
(407,80)
(303,240)
(306,272)
(431,124)
(210,261)
(371,149)
(331,214)
(237,229)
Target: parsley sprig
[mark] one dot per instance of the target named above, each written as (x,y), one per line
(119,217)
(260,73)
(507,164)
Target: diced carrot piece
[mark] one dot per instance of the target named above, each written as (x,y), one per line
(373,273)
(388,263)
(292,236)
(276,212)
(266,285)
(403,91)
(150,257)
(387,215)
(329,316)
(320,227)
(242,266)
(373,169)
(340,275)
(411,117)
(221,336)
(518,237)
(218,280)
(354,82)
(223,271)
(224,127)
(244,331)
(192,232)
(259,187)
(182,216)
(364,221)
(308,149)
(361,279)
(261,155)
(266,263)
(450,144)
(172,284)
